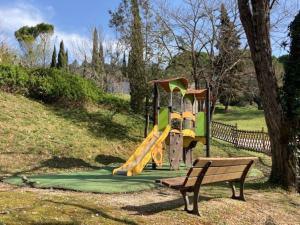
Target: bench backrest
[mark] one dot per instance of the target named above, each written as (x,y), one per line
(212,170)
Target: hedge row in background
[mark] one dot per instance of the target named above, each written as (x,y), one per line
(53,85)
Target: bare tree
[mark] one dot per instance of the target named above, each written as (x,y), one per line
(193,28)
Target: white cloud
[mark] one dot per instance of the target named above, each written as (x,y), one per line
(21,14)
(12,18)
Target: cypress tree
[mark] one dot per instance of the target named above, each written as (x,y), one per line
(136,65)
(95,53)
(67,59)
(228,46)
(61,60)
(97,58)
(53,60)
(101,54)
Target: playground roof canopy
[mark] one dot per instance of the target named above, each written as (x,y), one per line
(198,94)
(173,84)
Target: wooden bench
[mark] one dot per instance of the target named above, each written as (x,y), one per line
(208,171)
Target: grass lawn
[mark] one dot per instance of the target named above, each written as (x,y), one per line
(247,118)
(41,139)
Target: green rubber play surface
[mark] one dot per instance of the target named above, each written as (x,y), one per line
(99,181)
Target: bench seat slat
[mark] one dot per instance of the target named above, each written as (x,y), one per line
(214,178)
(175,182)
(217,170)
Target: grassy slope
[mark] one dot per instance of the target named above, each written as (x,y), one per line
(32,134)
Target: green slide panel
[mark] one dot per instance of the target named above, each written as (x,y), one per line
(200,129)
(163,118)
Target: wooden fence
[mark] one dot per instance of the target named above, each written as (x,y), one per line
(258,141)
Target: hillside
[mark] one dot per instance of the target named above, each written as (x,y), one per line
(33,134)
(41,138)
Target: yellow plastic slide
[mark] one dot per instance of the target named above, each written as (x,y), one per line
(142,155)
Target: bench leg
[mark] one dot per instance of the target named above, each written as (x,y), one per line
(241,196)
(195,209)
(186,200)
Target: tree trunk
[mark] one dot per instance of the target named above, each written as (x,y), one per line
(147,112)
(256,22)
(226,107)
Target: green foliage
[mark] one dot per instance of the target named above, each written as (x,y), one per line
(27,36)
(44,28)
(97,64)
(62,58)
(95,53)
(291,86)
(136,64)
(229,53)
(13,79)
(51,85)
(53,60)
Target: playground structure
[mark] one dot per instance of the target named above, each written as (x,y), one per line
(180,131)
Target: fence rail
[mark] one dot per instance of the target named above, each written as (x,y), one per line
(252,140)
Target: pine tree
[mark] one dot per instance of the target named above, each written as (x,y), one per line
(61,60)
(229,53)
(136,65)
(53,61)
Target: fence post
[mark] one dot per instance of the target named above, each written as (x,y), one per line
(263,139)
(235,135)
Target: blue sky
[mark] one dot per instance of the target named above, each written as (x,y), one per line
(70,16)
(74,19)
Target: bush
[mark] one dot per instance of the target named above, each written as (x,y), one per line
(52,85)
(13,79)
(49,85)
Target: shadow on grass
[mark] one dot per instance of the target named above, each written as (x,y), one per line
(98,123)
(157,207)
(55,223)
(66,163)
(59,163)
(96,211)
(108,159)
